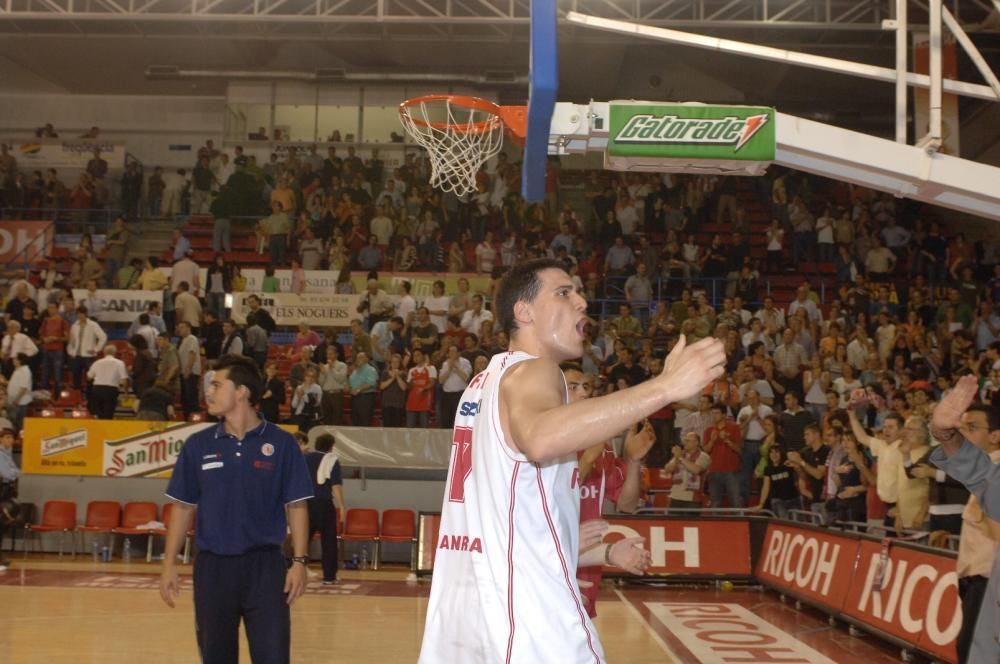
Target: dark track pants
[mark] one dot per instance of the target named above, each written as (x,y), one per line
(250,587)
(323,520)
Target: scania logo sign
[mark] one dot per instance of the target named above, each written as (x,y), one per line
(674,130)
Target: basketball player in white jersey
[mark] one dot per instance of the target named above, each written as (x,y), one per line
(504,586)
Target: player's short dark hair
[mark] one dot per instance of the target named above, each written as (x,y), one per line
(325,443)
(243,372)
(992,415)
(520,284)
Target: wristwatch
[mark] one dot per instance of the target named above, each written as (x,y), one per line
(301,559)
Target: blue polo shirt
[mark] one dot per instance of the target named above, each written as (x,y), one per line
(240,487)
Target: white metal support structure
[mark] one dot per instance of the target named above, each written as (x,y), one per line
(933,139)
(814,147)
(746,49)
(917,172)
(902,45)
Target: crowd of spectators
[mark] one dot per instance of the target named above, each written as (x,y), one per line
(824,406)
(815,390)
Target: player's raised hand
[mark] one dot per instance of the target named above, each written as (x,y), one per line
(629,555)
(638,441)
(948,413)
(591,533)
(689,368)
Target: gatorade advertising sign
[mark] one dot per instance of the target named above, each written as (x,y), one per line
(691,131)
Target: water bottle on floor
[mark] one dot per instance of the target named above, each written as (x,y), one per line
(364,558)
(127,551)
(105,554)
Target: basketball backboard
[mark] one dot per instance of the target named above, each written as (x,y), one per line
(543,89)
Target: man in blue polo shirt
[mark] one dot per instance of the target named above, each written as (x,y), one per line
(240,475)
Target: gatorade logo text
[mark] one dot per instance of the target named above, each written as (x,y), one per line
(648,129)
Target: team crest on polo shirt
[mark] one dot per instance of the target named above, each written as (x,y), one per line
(267,449)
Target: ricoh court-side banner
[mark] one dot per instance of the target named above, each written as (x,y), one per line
(678,546)
(907,593)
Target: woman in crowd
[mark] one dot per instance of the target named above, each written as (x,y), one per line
(406,256)
(338,256)
(237,281)
(306,401)
(778,492)
(344,285)
(393,387)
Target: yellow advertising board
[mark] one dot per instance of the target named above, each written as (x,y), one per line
(105,448)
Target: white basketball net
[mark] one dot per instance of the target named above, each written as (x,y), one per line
(459,140)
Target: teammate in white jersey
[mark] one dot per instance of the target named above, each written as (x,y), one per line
(504,586)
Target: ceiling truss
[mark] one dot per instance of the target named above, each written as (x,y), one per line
(442,19)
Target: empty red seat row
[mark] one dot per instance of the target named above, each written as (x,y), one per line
(397,526)
(103,517)
(106,517)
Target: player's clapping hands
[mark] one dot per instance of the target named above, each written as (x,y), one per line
(629,555)
(591,533)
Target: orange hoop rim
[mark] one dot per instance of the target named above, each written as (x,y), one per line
(513,118)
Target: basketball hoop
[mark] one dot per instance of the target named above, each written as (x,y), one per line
(460,134)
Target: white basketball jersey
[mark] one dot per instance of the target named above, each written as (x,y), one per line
(504,586)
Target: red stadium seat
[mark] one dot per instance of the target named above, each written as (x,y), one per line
(400,526)
(361,525)
(68,399)
(58,516)
(136,514)
(103,516)
(168,511)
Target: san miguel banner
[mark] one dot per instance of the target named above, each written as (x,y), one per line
(105,448)
(24,241)
(319,309)
(907,593)
(678,546)
(691,131)
(117,306)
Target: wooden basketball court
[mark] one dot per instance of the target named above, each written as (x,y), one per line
(81,611)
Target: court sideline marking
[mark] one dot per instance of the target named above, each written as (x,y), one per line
(649,628)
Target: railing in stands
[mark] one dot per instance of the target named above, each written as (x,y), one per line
(99,218)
